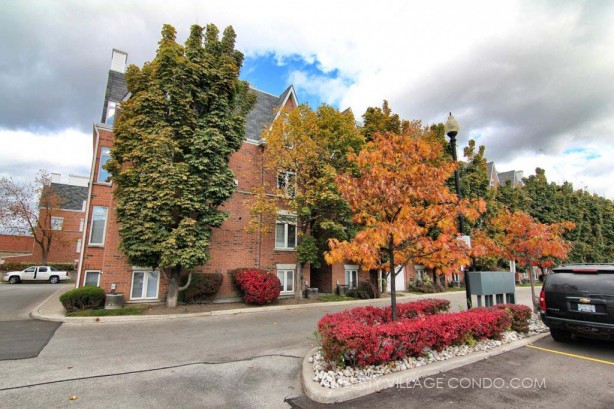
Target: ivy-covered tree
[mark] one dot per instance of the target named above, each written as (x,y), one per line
(173,141)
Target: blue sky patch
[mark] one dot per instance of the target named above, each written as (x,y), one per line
(271,74)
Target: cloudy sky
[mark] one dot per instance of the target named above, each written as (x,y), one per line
(533,81)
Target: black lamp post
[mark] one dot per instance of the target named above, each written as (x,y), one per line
(451,128)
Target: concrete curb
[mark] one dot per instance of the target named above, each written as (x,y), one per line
(321,394)
(38,314)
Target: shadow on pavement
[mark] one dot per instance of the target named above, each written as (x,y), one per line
(22,339)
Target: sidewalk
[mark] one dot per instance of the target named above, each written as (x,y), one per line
(52,310)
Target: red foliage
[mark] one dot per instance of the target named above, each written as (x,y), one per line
(371,339)
(521,314)
(257,286)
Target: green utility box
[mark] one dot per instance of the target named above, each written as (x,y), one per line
(493,285)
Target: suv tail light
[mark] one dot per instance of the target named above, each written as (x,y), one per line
(542,300)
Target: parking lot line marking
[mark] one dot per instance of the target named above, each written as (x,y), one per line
(554,351)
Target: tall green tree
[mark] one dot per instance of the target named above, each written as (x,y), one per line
(173,141)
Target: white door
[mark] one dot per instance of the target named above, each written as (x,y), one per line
(42,273)
(399,281)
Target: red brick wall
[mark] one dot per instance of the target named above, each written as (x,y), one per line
(20,244)
(232,247)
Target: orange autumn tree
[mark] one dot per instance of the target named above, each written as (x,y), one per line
(398,196)
(532,243)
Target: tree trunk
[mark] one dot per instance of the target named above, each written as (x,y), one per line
(535,310)
(393,290)
(172,296)
(298,281)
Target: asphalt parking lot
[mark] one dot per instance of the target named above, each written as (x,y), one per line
(546,374)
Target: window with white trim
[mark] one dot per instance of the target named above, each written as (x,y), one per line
(103,175)
(81,224)
(351,277)
(56,223)
(285,232)
(455,277)
(145,285)
(78,250)
(92,277)
(286,181)
(111,111)
(286,277)
(99,225)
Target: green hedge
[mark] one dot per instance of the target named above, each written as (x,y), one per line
(84,298)
(14,266)
(202,286)
(364,290)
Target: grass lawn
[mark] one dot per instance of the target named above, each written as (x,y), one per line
(135,310)
(335,297)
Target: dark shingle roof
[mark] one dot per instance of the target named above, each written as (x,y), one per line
(71,197)
(116,90)
(261,115)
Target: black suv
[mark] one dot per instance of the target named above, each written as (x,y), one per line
(579,299)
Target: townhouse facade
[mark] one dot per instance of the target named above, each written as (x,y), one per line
(272,249)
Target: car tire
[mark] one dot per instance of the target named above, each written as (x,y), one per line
(560,335)
(14,280)
(54,279)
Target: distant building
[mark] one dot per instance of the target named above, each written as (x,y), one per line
(68,220)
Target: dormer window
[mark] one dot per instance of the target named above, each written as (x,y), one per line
(111,111)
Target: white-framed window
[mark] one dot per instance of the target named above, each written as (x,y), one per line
(286,181)
(111,111)
(56,223)
(455,277)
(103,175)
(99,225)
(420,274)
(351,276)
(81,224)
(145,285)
(78,250)
(285,232)
(287,280)
(92,277)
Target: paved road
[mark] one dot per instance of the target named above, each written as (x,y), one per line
(526,377)
(18,300)
(242,361)
(20,336)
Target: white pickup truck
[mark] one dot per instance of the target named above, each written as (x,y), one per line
(38,273)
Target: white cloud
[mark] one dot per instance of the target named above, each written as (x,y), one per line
(526,77)
(24,153)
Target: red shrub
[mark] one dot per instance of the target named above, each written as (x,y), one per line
(257,286)
(373,341)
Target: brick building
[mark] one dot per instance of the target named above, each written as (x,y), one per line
(103,264)
(67,221)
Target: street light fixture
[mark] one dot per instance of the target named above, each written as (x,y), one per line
(451,129)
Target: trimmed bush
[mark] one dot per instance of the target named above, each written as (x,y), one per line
(201,287)
(84,298)
(366,336)
(256,286)
(365,291)
(521,314)
(15,266)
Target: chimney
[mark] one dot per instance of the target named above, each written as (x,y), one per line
(77,180)
(56,178)
(118,61)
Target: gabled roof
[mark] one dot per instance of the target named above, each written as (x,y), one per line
(493,177)
(265,110)
(514,176)
(71,197)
